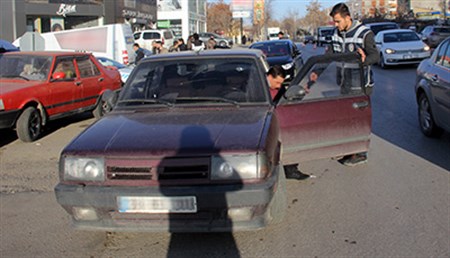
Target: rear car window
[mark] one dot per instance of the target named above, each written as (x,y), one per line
(151,35)
(442,29)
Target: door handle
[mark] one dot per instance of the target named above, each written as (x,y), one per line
(360,105)
(435,78)
(101,79)
(78,83)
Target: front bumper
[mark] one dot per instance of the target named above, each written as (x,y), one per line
(399,59)
(8,118)
(262,201)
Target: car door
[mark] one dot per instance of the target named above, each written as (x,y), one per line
(439,80)
(325,123)
(91,80)
(64,89)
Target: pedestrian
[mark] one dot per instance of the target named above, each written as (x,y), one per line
(211,44)
(139,53)
(182,46)
(158,47)
(196,43)
(275,77)
(244,39)
(352,36)
(280,35)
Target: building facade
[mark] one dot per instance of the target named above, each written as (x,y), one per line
(20,16)
(183,17)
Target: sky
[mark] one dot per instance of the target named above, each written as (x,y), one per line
(280,8)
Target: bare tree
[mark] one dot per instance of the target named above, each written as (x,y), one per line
(315,16)
(219,17)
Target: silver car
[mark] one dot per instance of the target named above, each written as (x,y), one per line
(435,34)
(433,91)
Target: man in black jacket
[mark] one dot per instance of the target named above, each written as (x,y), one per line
(139,53)
(352,36)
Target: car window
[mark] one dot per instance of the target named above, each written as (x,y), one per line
(27,67)
(443,56)
(87,67)
(273,49)
(200,80)
(400,37)
(64,65)
(442,29)
(168,35)
(151,35)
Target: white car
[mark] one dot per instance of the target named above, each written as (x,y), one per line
(124,70)
(400,46)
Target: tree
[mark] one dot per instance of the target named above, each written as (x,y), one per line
(315,17)
(219,17)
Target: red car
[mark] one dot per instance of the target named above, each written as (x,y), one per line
(36,87)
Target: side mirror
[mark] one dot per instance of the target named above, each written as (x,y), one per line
(294,93)
(59,75)
(110,98)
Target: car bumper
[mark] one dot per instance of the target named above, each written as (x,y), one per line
(399,59)
(8,118)
(220,208)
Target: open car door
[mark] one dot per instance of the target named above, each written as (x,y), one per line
(324,121)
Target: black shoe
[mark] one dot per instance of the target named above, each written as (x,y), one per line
(354,160)
(292,172)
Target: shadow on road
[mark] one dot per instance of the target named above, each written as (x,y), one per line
(9,135)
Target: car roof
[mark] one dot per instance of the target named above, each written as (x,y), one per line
(380,23)
(48,53)
(274,41)
(394,31)
(254,53)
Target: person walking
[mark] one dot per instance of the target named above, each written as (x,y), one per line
(352,36)
(139,53)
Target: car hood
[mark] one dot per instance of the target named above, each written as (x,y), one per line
(11,85)
(407,45)
(279,60)
(175,131)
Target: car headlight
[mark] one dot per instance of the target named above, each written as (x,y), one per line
(426,48)
(251,166)
(2,106)
(389,51)
(287,66)
(89,169)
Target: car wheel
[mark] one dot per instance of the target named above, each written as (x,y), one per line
(381,62)
(222,43)
(426,120)
(29,125)
(101,109)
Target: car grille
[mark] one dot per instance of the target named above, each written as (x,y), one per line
(420,50)
(158,170)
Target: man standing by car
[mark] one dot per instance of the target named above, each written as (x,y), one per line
(352,36)
(275,76)
(139,53)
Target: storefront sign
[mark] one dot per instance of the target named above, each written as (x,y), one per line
(136,14)
(65,9)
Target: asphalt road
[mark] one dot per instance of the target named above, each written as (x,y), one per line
(398,204)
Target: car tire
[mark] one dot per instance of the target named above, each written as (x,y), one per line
(381,63)
(101,109)
(29,125)
(426,120)
(222,43)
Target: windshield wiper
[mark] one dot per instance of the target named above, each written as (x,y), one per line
(16,76)
(204,99)
(145,101)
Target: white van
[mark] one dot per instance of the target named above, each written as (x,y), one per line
(145,38)
(114,41)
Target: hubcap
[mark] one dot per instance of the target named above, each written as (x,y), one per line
(425,115)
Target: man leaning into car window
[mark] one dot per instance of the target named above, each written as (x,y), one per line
(275,76)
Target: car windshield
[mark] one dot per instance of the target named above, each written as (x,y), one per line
(273,49)
(25,67)
(400,37)
(194,80)
(326,32)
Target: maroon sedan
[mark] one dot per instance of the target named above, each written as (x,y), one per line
(36,87)
(196,144)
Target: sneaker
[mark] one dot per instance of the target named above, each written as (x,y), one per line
(292,172)
(354,160)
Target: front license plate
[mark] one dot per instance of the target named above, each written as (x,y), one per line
(173,204)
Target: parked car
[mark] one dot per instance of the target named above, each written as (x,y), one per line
(124,70)
(324,34)
(309,39)
(281,52)
(220,41)
(194,143)
(433,91)
(6,46)
(376,27)
(401,46)
(36,87)
(145,38)
(435,34)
